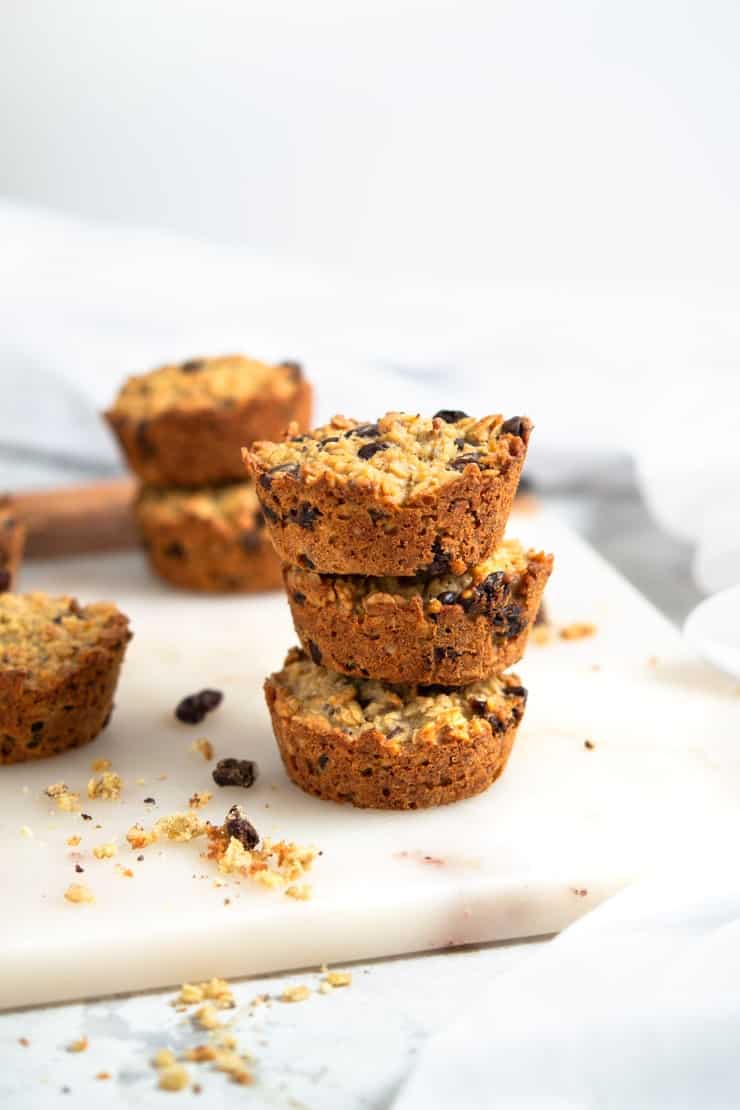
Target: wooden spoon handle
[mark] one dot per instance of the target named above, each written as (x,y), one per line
(75,520)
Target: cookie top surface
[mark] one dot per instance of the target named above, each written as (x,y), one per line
(45,637)
(402,714)
(203,383)
(401,455)
(228,505)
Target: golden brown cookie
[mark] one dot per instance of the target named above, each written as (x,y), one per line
(448,629)
(402,496)
(408,747)
(59,666)
(185,424)
(12,539)
(211,538)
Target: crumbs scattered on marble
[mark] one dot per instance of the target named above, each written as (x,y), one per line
(577,630)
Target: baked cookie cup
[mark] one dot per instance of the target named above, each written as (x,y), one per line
(185,424)
(211,539)
(380,747)
(12,541)
(448,629)
(402,496)
(59,667)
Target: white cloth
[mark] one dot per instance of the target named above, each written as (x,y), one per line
(635,1006)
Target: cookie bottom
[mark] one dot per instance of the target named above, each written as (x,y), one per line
(361,771)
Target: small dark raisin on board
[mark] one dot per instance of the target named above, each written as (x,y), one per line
(450,416)
(194,707)
(237,825)
(235,772)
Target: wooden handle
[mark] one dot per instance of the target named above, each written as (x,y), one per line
(79,519)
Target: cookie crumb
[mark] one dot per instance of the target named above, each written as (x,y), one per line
(338,979)
(200,799)
(77,893)
(73,841)
(105,851)
(100,765)
(299,893)
(214,990)
(106,787)
(578,630)
(541,634)
(79,1045)
(26,832)
(207,1017)
(66,800)
(295,994)
(103,1075)
(163,1058)
(205,747)
(24,1041)
(139,837)
(173,1078)
(589,744)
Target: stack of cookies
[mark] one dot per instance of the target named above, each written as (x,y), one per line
(181,428)
(408,602)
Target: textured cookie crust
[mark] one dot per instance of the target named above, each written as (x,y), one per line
(59,666)
(185,424)
(12,539)
(359,741)
(451,630)
(397,497)
(210,539)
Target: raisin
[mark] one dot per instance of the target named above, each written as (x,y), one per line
(449,597)
(497,725)
(446,653)
(79,870)
(366,431)
(174,550)
(514,426)
(479,706)
(315,652)
(304,516)
(295,367)
(306,562)
(150,801)
(270,514)
(323,760)
(193,708)
(440,563)
(508,622)
(298,597)
(435,688)
(515,692)
(464,460)
(4,580)
(265,481)
(369,449)
(37,726)
(237,825)
(329,439)
(376,515)
(393,732)
(450,416)
(193,365)
(235,772)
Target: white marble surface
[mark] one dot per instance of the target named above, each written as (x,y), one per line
(346,1051)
